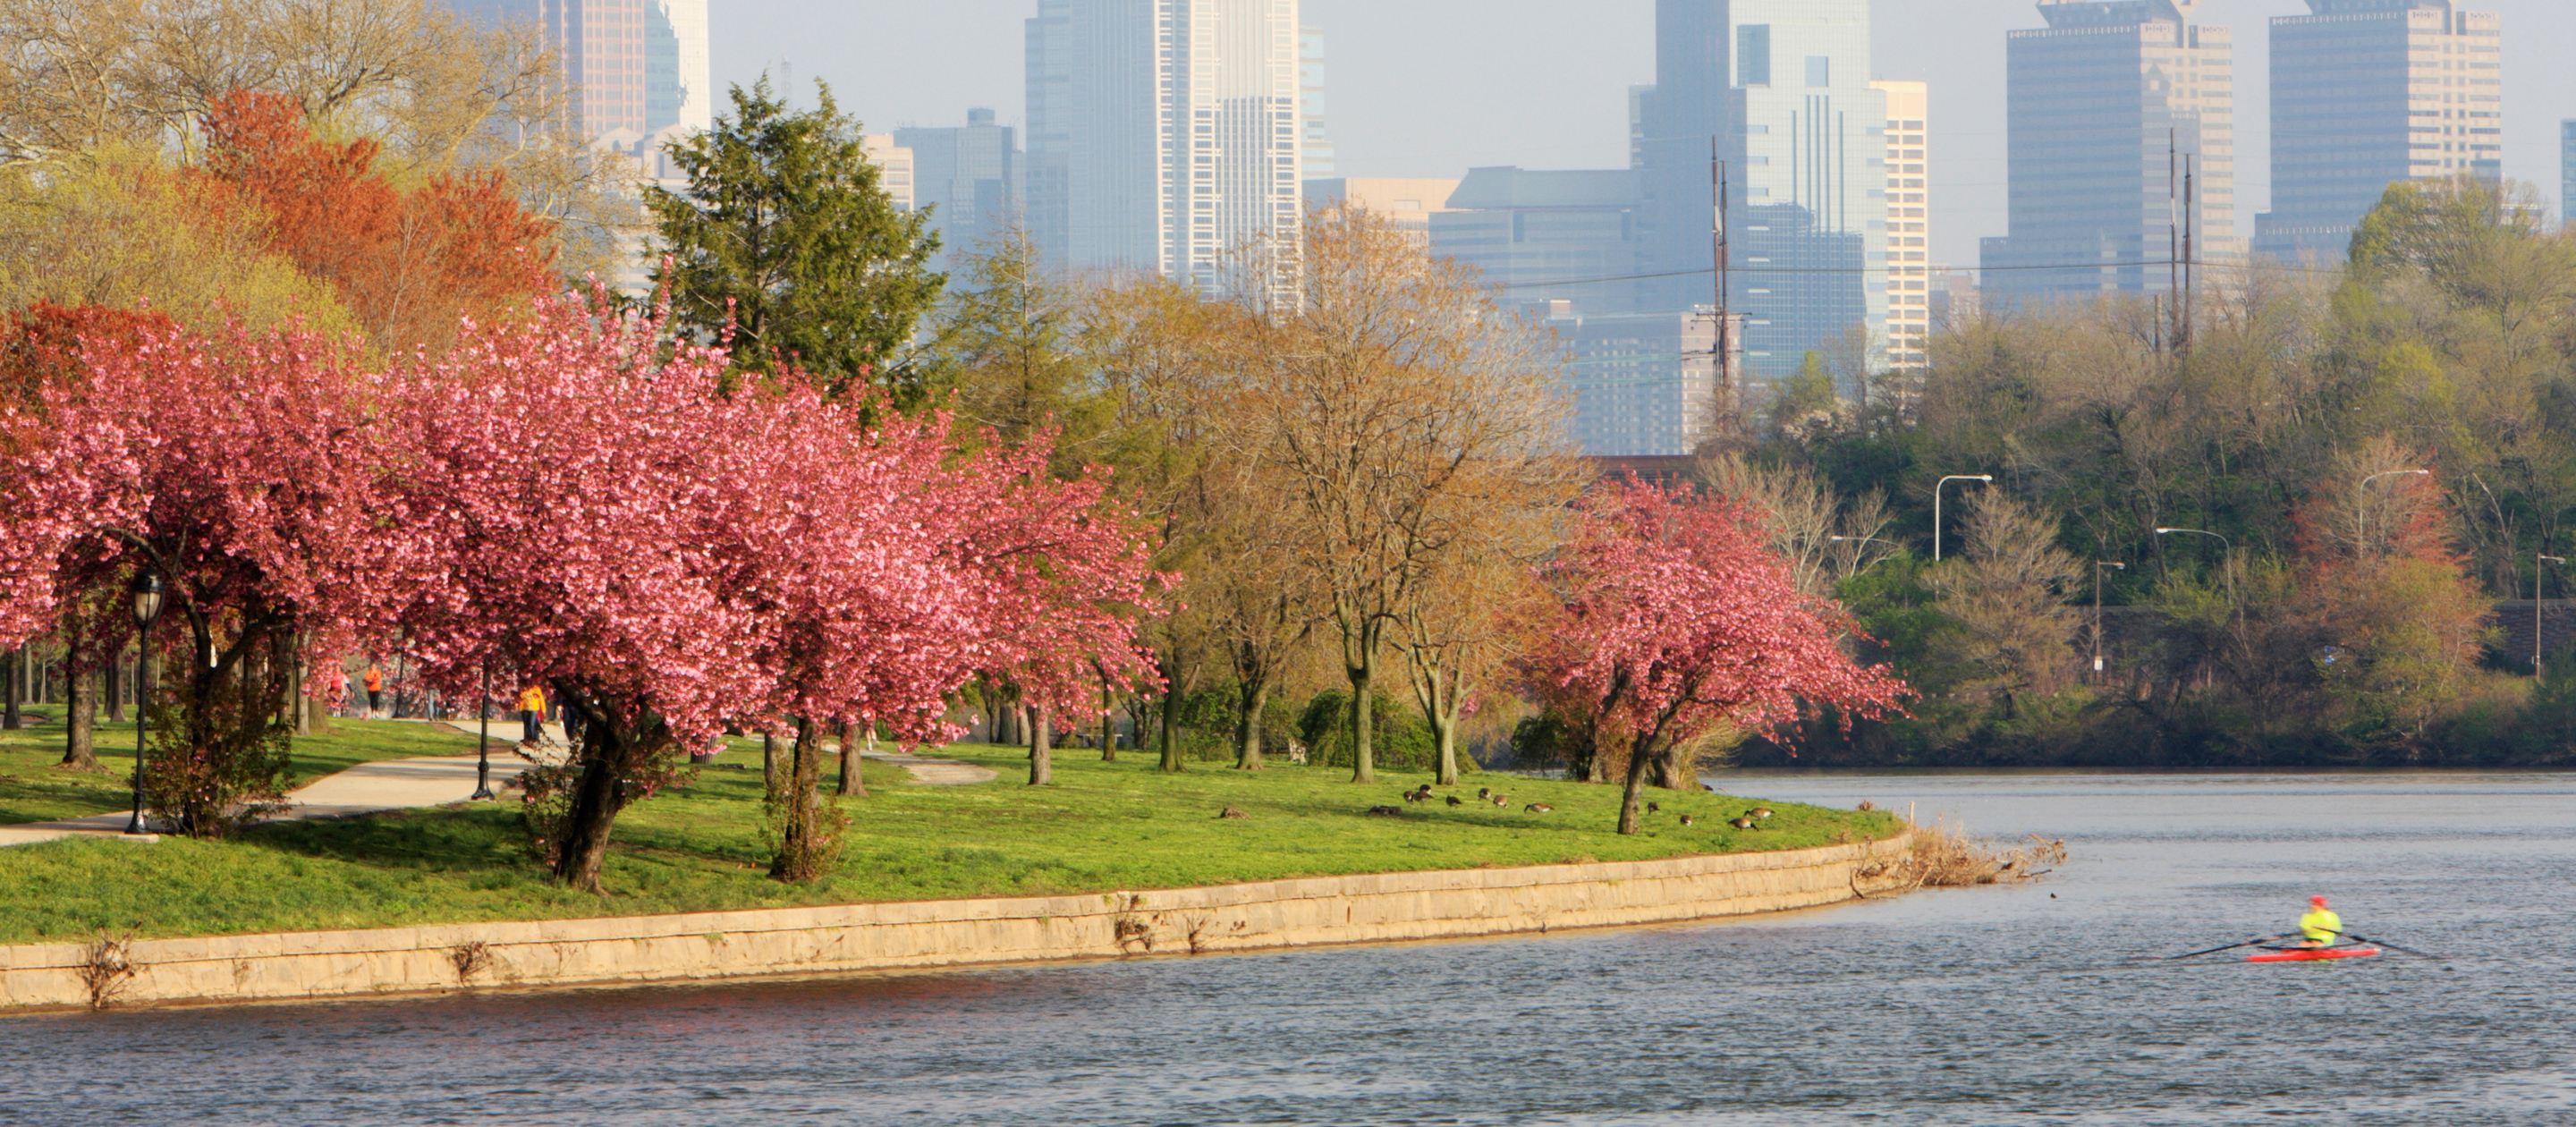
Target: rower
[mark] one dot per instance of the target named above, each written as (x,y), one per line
(2320,926)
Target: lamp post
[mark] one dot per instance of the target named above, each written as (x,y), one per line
(2538,574)
(1936,505)
(147,590)
(2231,554)
(483,744)
(2360,506)
(1864,539)
(2098,565)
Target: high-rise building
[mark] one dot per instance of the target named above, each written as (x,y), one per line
(1164,135)
(638,68)
(1780,90)
(1409,203)
(894,167)
(1561,236)
(2366,93)
(2108,109)
(1909,307)
(1642,382)
(1312,105)
(2566,170)
(969,175)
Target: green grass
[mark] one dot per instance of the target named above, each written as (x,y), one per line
(1102,827)
(34,789)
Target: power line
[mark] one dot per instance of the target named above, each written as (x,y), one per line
(1909,266)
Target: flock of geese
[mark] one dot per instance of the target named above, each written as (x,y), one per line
(1750,819)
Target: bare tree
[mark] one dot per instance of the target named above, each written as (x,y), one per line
(1402,409)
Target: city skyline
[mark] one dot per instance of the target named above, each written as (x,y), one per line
(1432,88)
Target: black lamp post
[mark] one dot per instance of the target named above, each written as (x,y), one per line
(483,745)
(147,590)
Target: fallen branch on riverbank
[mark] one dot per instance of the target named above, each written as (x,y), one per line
(1944,856)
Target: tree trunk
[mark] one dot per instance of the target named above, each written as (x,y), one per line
(596,799)
(852,782)
(1445,729)
(769,765)
(1108,725)
(1363,720)
(17,660)
(1629,803)
(80,730)
(1041,756)
(1673,767)
(1171,742)
(805,843)
(1247,728)
(115,673)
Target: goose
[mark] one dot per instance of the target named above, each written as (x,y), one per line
(1453,801)
(1742,823)
(1538,808)
(1686,819)
(1484,792)
(1761,811)
(1652,808)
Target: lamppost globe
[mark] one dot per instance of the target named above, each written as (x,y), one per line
(148,591)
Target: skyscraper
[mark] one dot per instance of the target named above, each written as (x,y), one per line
(638,67)
(970,175)
(2566,169)
(1782,89)
(1909,313)
(1163,134)
(2366,93)
(1311,104)
(2101,107)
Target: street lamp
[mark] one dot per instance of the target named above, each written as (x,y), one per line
(2098,565)
(483,744)
(2538,574)
(148,591)
(1936,505)
(2231,555)
(2360,506)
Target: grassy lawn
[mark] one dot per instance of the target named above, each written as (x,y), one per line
(1102,827)
(33,789)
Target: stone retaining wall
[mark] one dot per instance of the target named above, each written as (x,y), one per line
(858,937)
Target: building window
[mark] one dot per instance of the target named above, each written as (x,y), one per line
(1820,70)
(1753,53)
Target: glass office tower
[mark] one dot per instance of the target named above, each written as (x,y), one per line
(2366,93)
(2101,106)
(1783,89)
(1164,135)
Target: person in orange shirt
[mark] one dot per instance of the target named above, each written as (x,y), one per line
(532,713)
(375,689)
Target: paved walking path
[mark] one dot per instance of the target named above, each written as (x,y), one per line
(368,788)
(436,780)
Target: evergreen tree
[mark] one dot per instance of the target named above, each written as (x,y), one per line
(786,233)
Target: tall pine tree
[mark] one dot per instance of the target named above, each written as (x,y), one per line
(786,233)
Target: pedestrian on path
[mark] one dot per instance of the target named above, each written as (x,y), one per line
(375,689)
(532,713)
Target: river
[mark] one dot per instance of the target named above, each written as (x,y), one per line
(1979,1006)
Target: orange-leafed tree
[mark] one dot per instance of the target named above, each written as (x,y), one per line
(406,264)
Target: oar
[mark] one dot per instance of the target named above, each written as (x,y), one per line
(2215,950)
(2389,945)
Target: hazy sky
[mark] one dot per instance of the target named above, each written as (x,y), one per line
(1434,87)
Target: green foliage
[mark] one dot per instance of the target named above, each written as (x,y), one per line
(785,235)
(1400,738)
(703,847)
(1011,346)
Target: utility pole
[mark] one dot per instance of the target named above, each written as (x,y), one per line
(1724,408)
(2188,215)
(2173,232)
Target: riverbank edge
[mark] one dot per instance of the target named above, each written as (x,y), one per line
(1298,912)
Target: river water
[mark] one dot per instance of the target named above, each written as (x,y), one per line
(1982,1006)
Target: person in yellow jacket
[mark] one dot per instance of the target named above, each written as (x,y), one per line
(2320,927)
(532,713)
